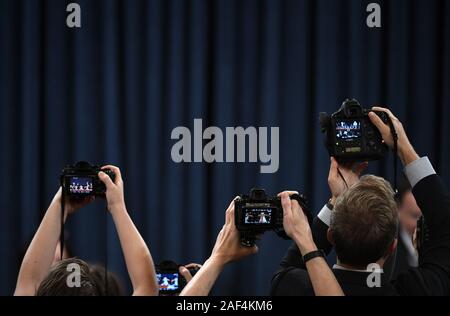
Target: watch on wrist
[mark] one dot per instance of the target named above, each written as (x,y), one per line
(313,254)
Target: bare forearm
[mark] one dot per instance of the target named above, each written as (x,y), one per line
(137,256)
(204,279)
(322,278)
(406,153)
(39,256)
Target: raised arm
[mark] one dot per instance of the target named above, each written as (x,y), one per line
(292,267)
(227,249)
(432,275)
(296,226)
(41,252)
(340,178)
(137,256)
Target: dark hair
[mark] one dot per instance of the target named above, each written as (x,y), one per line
(364,222)
(92,281)
(112,287)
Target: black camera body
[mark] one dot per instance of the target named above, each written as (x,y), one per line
(81,180)
(350,135)
(170,280)
(257,213)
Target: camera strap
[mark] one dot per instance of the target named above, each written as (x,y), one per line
(62,236)
(396,196)
(395,158)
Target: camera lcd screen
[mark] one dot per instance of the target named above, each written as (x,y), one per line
(80,185)
(348,130)
(258,216)
(167,281)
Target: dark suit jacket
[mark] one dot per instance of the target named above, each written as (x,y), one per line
(400,261)
(432,277)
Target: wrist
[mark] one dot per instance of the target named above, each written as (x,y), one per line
(313,256)
(217,260)
(305,245)
(406,153)
(332,201)
(117,208)
(307,248)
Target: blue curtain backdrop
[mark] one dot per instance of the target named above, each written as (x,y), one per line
(113,90)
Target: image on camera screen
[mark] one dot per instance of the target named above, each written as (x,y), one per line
(257,216)
(347,130)
(167,281)
(80,185)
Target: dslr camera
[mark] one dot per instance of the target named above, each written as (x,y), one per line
(350,135)
(257,213)
(81,180)
(169,279)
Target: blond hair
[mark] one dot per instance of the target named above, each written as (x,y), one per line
(364,222)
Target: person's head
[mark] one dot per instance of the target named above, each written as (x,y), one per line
(408,210)
(62,280)
(114,286)
(364,223)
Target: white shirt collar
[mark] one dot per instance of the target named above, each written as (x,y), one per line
(339,267)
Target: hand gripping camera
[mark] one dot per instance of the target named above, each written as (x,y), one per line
(169,279)
(257,213)
(351,136)
(81,180)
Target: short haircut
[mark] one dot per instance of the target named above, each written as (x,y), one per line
(364,222)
